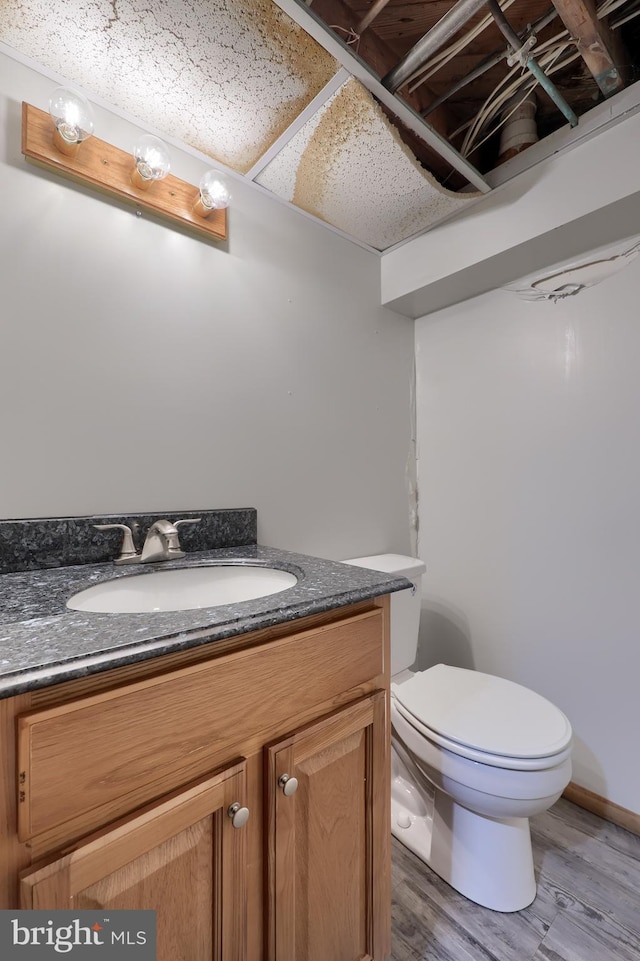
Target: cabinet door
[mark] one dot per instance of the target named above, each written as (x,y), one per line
(181,856)
(328,855)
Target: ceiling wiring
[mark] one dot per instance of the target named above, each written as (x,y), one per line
(494,106)
(630,16)
(492,60)
(553,67)
(542,53)
(609,6)
(352,35)
(443,57)
(547,56)
(496,99)
(551,50)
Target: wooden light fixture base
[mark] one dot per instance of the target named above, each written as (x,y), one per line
(108,169)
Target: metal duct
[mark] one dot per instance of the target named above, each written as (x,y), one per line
(445,28)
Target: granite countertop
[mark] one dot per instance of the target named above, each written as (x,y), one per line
(42,642)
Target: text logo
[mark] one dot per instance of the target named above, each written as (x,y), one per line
(80,935)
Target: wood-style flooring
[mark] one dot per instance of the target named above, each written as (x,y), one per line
(587,907)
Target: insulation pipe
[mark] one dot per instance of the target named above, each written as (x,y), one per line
(532,65)
(445,28)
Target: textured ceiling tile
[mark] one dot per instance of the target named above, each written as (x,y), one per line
(225,76)
(349,167)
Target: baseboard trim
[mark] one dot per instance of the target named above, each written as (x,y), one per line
(602,807)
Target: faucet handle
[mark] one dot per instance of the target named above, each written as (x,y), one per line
(187,520)
(128,552)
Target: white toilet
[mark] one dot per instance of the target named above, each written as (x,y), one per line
(473,758)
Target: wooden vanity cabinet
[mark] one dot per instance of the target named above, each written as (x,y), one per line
(182,856)
(327,838)
(128,781)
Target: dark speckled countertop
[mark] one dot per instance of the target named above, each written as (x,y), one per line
(42,642)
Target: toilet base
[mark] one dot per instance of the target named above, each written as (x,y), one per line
(487,860)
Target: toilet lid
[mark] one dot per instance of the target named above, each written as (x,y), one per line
(489,714)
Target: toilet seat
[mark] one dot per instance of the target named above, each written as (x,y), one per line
(484,718)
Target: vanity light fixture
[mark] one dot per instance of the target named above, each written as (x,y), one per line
(148,186)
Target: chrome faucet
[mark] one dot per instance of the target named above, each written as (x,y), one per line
(161,542)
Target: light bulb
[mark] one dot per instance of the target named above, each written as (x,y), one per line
(213,192)
(72,115)
(152,161)
(213,195)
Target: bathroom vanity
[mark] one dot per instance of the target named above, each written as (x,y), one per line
(233,775)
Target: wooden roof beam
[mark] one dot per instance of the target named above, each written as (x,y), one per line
(380,57)
(602,51)
(369,17)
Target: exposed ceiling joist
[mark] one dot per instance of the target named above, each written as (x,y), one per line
(376,52)
(369,17)
(310,21)
(601,49)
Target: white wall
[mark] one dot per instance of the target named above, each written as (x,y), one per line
(141,369)
(529,477)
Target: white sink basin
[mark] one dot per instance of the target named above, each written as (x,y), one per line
(186,589)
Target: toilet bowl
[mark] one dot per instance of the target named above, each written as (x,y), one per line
(473,758)
(494,754)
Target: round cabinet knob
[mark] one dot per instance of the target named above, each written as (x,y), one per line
(239,815)
(288,784)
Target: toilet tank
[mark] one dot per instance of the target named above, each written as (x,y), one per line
(405,605)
